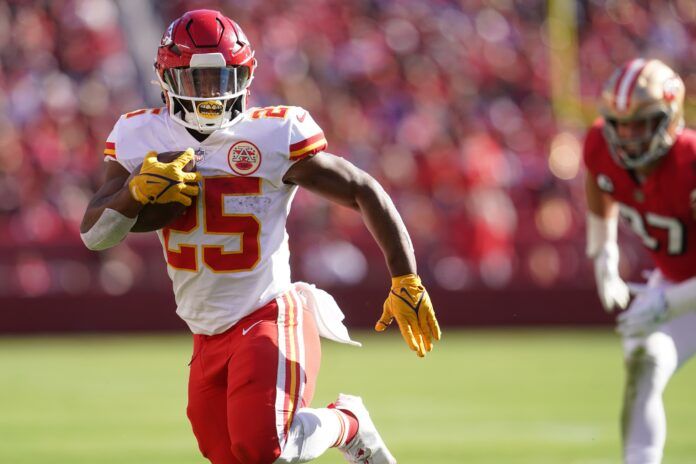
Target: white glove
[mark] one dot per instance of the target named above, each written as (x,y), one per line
(647,312)
(612,290)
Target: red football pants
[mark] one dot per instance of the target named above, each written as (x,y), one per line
(246,383)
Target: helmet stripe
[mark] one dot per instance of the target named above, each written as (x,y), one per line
(618,81)
(627,83)
(633,85)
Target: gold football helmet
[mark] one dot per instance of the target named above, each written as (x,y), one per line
(642,91)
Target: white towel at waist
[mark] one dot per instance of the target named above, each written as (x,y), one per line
(327,315)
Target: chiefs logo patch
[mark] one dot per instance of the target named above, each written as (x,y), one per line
(244,158)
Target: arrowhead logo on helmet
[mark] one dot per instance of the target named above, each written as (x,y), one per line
(167,37)
(205,66)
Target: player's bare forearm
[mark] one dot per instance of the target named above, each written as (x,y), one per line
(598,202)
(340,181)
(112,194)
(386,226)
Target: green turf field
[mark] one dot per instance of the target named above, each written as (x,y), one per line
(482,397)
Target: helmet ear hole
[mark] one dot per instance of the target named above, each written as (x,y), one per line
(175,49)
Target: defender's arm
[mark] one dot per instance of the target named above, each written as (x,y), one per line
(599,203)
(602,246)
(408,302)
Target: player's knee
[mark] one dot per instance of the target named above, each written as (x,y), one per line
(643,455)
(246,449)
(657,352)
(647,369)
(208,439)
(197,418)
(294,445)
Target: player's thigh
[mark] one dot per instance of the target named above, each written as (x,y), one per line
(207,402)
(682,330)
(654,351)
(271,374)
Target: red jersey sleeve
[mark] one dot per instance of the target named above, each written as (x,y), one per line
(593,147)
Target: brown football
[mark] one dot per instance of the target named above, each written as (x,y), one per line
(155,216)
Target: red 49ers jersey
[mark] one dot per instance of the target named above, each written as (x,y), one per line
(661,209)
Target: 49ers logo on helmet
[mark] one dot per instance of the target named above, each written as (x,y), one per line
(670,88)
(244,158)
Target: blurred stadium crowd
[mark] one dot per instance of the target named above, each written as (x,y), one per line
(447,103)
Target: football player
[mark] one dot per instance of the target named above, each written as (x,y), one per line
(256,349)
(641,164)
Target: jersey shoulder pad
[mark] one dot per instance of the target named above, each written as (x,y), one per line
(125,133)
(279,113)
(686,145)
(306,136)
(141,118)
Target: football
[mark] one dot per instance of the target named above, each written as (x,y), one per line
(156,216)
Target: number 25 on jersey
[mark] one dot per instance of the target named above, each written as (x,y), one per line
(217,222)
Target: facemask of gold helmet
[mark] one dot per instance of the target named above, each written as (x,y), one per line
(643,109)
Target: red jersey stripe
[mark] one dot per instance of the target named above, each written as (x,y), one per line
(306,142)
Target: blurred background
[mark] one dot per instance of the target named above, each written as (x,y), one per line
(471,113)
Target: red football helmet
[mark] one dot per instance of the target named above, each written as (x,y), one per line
(205,65)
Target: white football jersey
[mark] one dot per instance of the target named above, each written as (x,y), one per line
(228,254)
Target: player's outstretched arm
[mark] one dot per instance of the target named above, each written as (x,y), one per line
(602,247)
(408,302)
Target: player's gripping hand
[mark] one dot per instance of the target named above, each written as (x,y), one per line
(159,182)
(612,290)
(408,302)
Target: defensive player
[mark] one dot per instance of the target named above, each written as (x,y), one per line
(642,165)
(256,349)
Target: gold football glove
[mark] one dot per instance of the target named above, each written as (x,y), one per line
(408,302)
(160,182)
